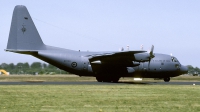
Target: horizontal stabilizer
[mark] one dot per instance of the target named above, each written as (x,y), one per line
(22,51)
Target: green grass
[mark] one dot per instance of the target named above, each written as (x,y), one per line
(100,98)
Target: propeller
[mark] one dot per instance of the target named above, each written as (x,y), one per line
(151,52)
(151,55)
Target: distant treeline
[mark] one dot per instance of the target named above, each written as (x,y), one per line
(43,68)
(34,68)
(193,70)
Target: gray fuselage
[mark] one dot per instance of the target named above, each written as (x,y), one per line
(75,62)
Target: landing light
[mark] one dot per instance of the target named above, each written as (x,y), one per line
(137,79)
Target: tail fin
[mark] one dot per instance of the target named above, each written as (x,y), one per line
(23,33)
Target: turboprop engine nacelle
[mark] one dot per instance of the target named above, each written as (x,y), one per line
(143,57)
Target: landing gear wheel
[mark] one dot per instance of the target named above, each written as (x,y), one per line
(115,80)
(106,79)
(167,79)
(99,79)
(103,79)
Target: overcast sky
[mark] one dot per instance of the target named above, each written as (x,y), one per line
(172,26)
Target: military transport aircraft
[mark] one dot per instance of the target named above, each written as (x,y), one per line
(105,66)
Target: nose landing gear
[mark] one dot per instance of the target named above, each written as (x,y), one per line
(167,79)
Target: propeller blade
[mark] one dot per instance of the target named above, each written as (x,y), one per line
(151,52)
(151,55)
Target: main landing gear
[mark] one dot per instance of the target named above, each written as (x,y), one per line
(167,79)
(108,79)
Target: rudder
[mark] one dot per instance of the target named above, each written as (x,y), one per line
(23,33)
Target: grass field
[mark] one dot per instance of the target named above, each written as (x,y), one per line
(98,98)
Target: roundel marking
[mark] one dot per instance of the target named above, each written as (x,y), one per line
(74,64)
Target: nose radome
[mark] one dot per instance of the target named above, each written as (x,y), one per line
(184,69)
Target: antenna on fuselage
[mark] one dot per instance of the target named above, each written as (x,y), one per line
(127,47)
(141,46)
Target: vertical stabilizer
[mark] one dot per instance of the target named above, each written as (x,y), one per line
(23,33)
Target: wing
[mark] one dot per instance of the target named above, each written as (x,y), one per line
(119,59)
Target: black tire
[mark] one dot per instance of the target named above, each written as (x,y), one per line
(115,80)
(167,79)
(106,79)
(103,79)
(99,79)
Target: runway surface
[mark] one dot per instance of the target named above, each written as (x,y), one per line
(99,83)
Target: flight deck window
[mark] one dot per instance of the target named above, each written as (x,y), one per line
(174,59)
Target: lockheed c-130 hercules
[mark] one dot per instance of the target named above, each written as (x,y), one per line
(105,66)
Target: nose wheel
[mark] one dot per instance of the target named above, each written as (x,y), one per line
(167,79)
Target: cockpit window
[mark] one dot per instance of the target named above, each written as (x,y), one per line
(174,59)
